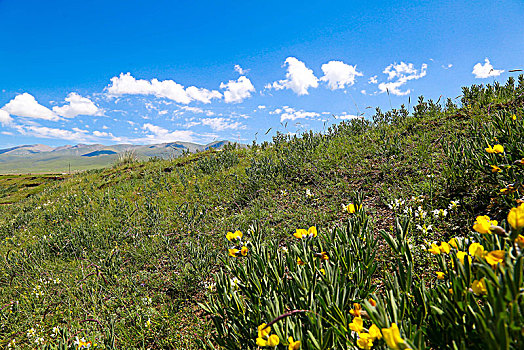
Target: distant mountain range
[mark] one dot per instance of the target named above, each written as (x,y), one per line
(43,158)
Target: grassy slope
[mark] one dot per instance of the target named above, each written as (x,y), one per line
(14,188)
(119,236)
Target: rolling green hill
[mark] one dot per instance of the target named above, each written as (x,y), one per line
(135,255)
(66,159)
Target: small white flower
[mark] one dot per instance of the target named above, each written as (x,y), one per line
(308,193)
(453,205)
(31,333)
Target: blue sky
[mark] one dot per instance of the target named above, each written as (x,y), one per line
(130,71)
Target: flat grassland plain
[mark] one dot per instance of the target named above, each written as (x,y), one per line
(136,255)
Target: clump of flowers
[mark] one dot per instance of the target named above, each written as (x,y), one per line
(309,233)
(495,149)
(264,339)
(240,248)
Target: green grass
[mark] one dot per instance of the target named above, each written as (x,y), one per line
(113,248)
(14,188)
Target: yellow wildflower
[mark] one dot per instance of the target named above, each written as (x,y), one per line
(273,340)
(462,255)
(514,117)
(356,310)
(372,302)
(374,332)
(233,236)
(434,249)
(263,330)
(479,287)
(495,169)
(300,262)
(364,341)
(495,257)
(264,339)
(322,271)
(300,233)
(324,256)
(516,217)
(440,275)
(495,149)
(483,224)
(351,208)
(233,252)
(357,325)
(444,247)
(477,250)
(244,251)
(293,345)
(392,337)
(453,242)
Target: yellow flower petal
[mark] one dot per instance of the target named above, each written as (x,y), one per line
(357,325)
(495,257)
(440,275)
(483,224)
(356,310)
(445,247)
(244,251)
(233,252)
(261,342)
(498,149)
(273,340)
(293,345)
(477,250)
(300,233)
(479,287)
(516,217)
(263,331)
(392,336)
(453,242)
(462,255)
(434,249)
(312,231)
(374,332)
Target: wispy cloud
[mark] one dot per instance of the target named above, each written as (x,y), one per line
(400,74)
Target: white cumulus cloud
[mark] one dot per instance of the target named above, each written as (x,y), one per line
(485,70)
(237,91)
(126,84)
(78,105)
(25,105)
(338,74)
(5,118)
(401,73)
(299,78)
